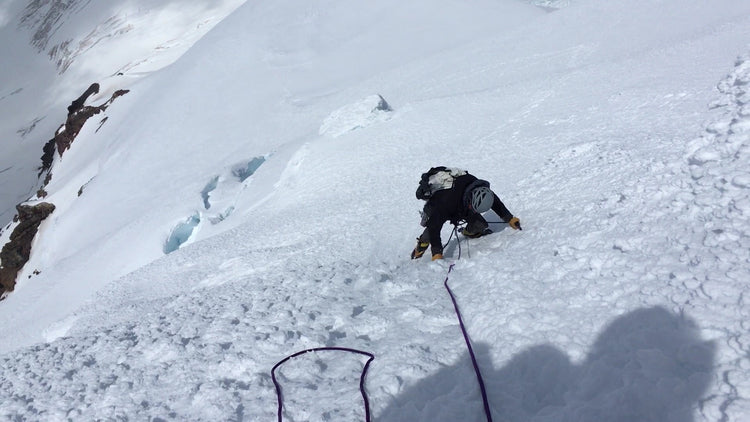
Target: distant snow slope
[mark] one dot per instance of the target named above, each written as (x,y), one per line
(260,87)
(52,51)
(599,125)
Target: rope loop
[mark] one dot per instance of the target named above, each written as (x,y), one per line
(370,358)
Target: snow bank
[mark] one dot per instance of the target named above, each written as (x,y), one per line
(366,112)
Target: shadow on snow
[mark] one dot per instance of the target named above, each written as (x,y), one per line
(647,365)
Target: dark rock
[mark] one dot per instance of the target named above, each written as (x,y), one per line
(77,104)
(383,105)
(16,252)
(67,133)
(47,157)
(73,125)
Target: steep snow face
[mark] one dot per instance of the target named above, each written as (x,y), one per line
(622,299)
(262,84)
(53,50)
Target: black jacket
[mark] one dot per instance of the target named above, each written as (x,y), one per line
(449,205)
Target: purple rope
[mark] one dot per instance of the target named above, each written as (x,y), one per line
(486,402)
(342,349)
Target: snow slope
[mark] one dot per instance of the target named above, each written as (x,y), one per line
(598,124)
(52,51)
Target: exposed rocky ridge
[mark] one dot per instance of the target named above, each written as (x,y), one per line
(15,253)
(78,114)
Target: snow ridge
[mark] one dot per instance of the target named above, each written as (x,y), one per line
(717,164)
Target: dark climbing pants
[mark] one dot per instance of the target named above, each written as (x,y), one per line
(475,223)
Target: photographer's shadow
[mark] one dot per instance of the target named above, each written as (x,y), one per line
(648,365)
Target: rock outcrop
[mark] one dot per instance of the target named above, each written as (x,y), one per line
(78,103)
(78,114)
(77,117)
(15,253)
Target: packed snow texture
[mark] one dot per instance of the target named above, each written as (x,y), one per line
(618,132)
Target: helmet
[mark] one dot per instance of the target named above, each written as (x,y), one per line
(481,199)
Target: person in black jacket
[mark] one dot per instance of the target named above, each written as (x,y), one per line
(463,200)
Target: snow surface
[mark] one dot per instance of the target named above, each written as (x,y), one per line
(76,43)
(616,131)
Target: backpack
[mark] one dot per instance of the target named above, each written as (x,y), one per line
(437,178)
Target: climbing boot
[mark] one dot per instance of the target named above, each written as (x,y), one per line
(419,249)
(473,235)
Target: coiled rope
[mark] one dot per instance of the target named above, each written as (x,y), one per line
(362,391)
(371,357)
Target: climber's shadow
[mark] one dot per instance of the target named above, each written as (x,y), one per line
(648,365)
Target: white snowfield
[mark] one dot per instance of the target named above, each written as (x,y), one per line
(618,132)
(52,51)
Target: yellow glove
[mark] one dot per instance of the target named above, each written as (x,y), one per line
(437,256)
(515,223)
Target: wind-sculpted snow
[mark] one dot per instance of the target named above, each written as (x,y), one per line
(362,114)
